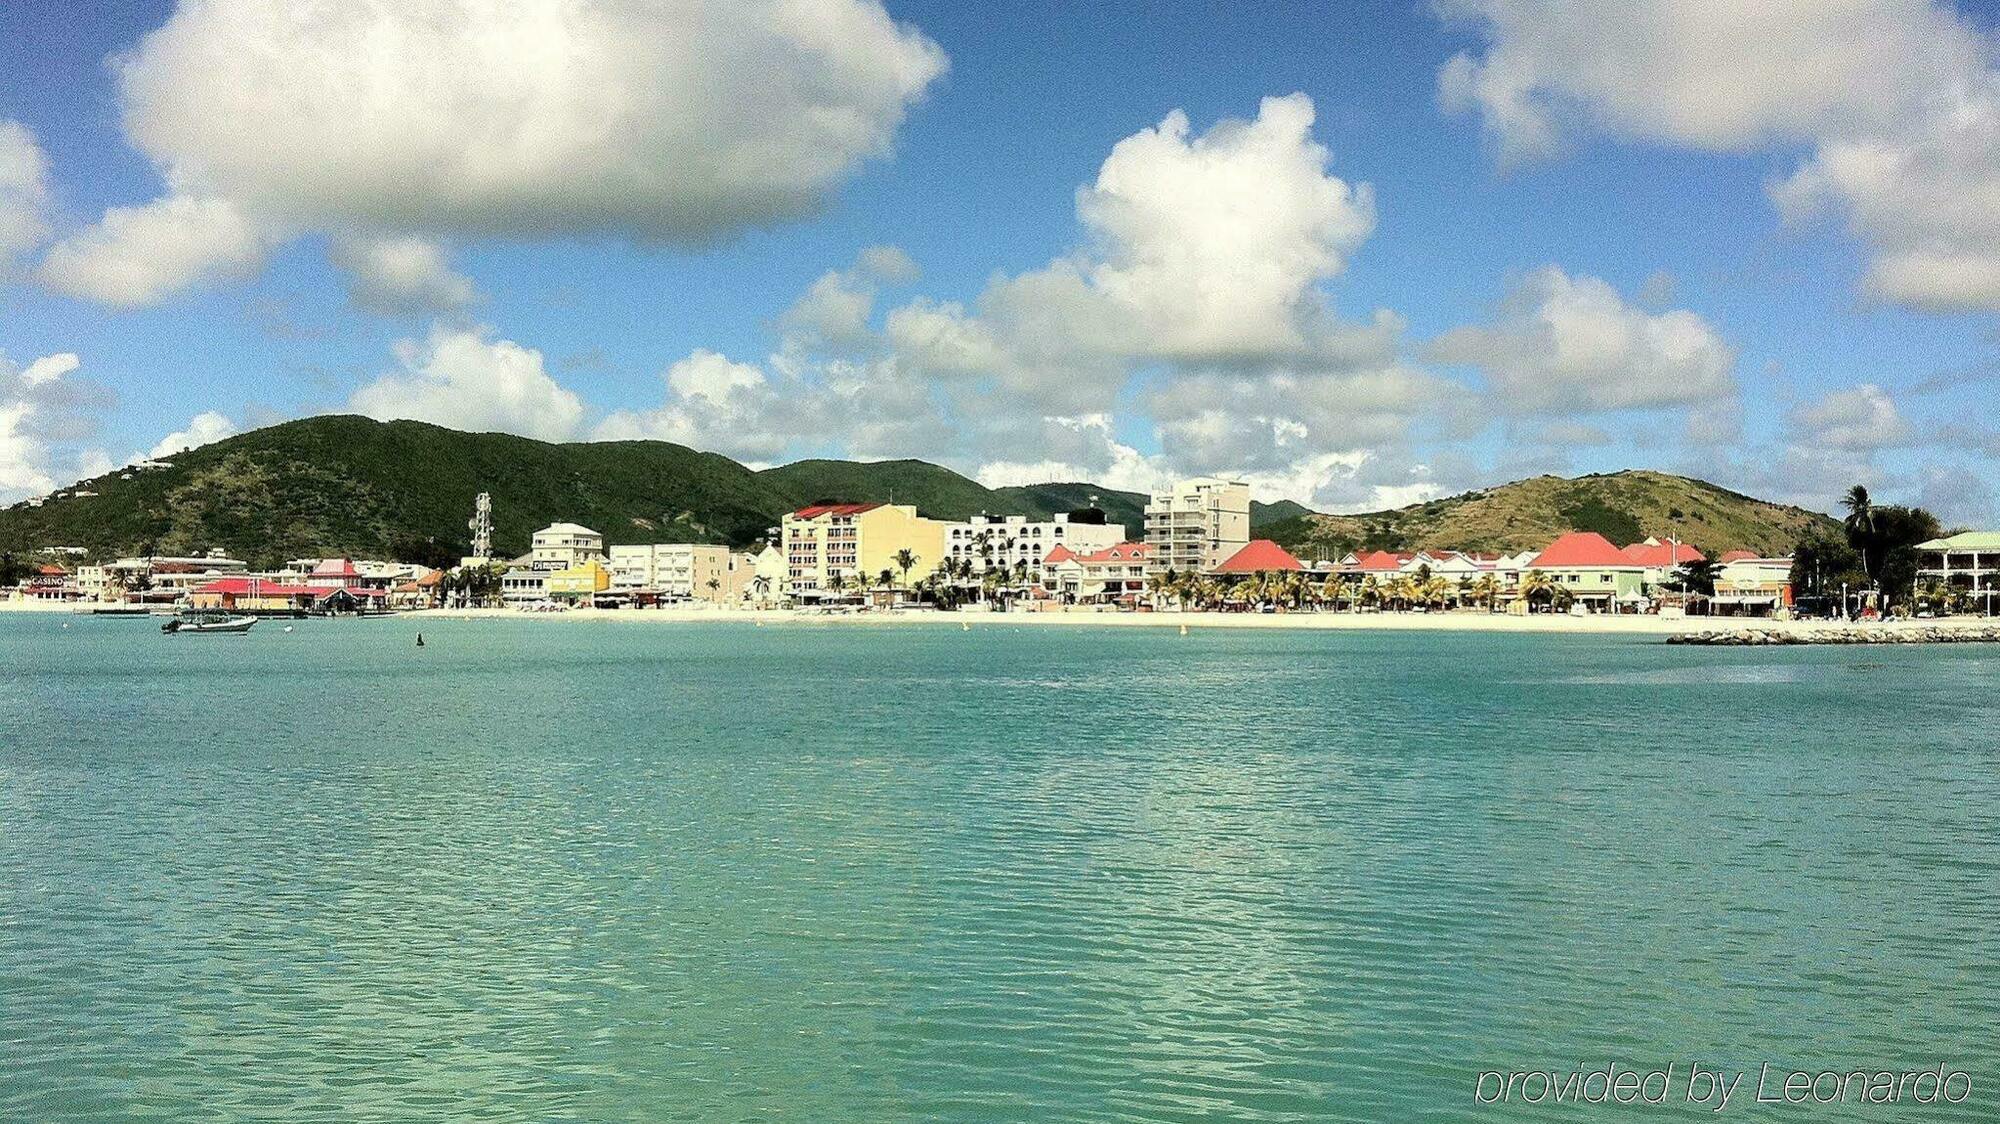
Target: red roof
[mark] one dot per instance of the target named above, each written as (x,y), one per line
(1260,556)
(50,570)
(1662,554)
(1381,560)
(1739,555)
(240,587)
(335,568)
(1582,548)
(819,509)
(1060,554)
(1123,552)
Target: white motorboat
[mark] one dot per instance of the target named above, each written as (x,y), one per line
(208,624)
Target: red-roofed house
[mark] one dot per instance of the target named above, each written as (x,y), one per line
(334,573)
(1596,573)
(1736,556)
(1259,556)
(1116,574)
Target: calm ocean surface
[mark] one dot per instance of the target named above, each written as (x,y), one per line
(548,870)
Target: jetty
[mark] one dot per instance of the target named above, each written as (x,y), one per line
(1894,633)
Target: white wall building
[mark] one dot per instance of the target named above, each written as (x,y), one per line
(1014,544)
(676,571)
(1197,525)
(564,546)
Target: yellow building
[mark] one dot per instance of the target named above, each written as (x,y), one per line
(579,583)
(833,542)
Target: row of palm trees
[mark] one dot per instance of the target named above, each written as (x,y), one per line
(1295,590)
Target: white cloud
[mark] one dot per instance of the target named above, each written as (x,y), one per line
(468,380)
(1721,76)
(1566,345)
(204,428)
(661,122)
(139,255)
(32,404)
(1898,101)
(50,368)
(24,193)
(1858,419)
(1211,245)
(402,276)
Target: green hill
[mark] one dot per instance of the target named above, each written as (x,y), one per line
(1526,514)
(348,485)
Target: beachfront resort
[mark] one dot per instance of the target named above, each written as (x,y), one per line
(1194,553)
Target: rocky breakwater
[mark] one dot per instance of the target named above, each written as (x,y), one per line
(1897,633)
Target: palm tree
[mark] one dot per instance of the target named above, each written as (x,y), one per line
(1860,521)
(1484,589)
(1333,590)
(1435,591)
(1538,586)
(713,585)
(905,560)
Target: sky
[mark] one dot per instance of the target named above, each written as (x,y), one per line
(1359,254)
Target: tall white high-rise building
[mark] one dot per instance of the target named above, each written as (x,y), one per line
(1197,525)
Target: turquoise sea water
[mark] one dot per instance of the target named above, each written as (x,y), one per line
(550,870)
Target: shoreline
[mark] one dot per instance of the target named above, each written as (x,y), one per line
(1551,623)
(1547,623)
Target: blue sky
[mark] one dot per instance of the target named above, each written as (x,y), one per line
(1582,254)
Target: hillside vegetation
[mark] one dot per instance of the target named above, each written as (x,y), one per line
(1525,515)
(349,485)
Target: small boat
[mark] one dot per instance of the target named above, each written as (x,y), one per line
(208,624)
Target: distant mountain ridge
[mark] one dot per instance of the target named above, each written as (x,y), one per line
(345,485)
(1624,507)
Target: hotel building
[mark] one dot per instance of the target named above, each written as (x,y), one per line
(846,540)
(674,571)
(1968,561)
(564,546)
(1197,525)
(1012,544)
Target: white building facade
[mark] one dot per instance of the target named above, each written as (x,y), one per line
(1018,546)
(676,571)
(564,546)
(1197,525)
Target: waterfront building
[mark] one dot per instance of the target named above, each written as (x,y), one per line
(1260,556)
(1018,546)
(1660,559)
(166,579)
(1597,574)
(578,584)
(842,542)
(768,578)
(564,546)
(670,571)
(1113,575)
(1747,585)
(522,585)
(1197,524)
(1969,561)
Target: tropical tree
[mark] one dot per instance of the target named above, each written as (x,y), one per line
(1538,587)
(1435,591)
(714,584)
(1484,589)
(905,560)
(1334,590)
(1370,593)
(1860,521)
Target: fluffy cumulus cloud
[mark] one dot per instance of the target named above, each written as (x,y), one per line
(24,193)
(467,379)
(204,428)
(401,276)
(1858,419)
(1197,295)
(675,122)
(41,411)
(139,255)
(1572,345)
(1897,102)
